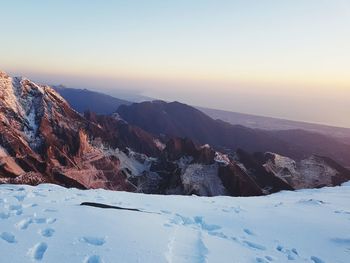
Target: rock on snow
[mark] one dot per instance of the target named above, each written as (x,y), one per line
(47,224)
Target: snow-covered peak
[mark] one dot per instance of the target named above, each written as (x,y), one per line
(17,92)
(24,104)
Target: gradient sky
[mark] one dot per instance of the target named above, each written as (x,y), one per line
(288,59)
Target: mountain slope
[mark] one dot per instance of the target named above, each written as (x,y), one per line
(269,123)
(86,100)
(44,140)
(177,119)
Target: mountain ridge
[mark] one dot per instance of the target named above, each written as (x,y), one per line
(177,119)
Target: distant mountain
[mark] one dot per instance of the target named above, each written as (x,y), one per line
(269,123)
(86,100)
(177,119)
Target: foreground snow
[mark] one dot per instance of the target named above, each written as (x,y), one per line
(46,223)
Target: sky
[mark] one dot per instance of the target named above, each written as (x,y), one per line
(287,59)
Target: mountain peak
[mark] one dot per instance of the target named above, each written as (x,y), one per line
(3,74)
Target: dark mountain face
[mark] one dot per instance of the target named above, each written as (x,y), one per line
(269,123)
(177,119)
(118,134)
(85,100)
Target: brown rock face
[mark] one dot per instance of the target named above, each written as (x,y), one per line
(238,182)
(178,147)
(118,134)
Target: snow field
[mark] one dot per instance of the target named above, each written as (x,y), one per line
(47,224)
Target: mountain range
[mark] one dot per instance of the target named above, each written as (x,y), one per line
(87,100)
(153,147)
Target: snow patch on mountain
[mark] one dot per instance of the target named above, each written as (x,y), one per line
(313,171)
(202,180)
(316,171)
(222,158)
(159,144)
(134,163)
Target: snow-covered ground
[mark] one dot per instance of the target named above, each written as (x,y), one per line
(47,224)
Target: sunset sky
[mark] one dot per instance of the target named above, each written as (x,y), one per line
(288,59)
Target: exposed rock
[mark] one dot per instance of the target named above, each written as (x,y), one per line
(267,181)
(313,172)
(237,181)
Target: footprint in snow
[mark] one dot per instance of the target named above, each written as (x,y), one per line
(218,234)
(262,260)
(342,212)
(51,220)
(24,223)
(266,259)
(4,215)
(20,198)
(50,210)
(341,241)
(16,209)
(311,202)
(95,241)
(37,252)
(316,260)
(93,259)
(200,221)
(291,254)
(186,245)
(8,237)
(236,210)
(248,232)
(39,194)
(269,258)
(254,245)
(47,232)
(39,220)
(278,204)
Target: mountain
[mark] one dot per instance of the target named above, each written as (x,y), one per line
(177,119)
(86,100)
(269,123)
(43,140)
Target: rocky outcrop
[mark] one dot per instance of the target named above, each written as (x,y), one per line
(266,180)
(312,172)
(238,182)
